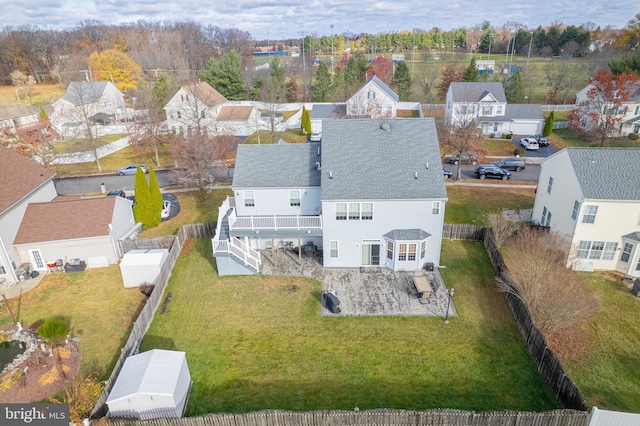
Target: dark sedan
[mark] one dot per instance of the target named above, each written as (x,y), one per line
(492,171)
(447,173)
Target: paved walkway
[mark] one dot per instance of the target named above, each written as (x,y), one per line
(20,287)
(363,291)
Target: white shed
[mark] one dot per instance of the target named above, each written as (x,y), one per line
(142,266)
(150,385)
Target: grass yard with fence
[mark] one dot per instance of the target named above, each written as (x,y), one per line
(259,342)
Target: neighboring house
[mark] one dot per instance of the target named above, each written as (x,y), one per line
(88,100)
(194,107)
(592,195)
(321,112)
(485,104)
(23,182)
(19,118)
(87,229)
(627,114)
(239,120)
(370,194)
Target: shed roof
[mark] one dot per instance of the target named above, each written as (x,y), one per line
(407,235)
(20,177)
(234,113)
(381,159)
(607,173)
(320,111)
(66,220)
(155,372)
(277,166)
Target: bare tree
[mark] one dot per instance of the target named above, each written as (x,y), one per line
(23,82)
(462,141)
(560,78)
(502,228)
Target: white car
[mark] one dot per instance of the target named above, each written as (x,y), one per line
(166,209)
(529,143)
(315,136)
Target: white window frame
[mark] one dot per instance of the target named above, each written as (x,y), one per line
(435,207)
(354,211)
(498,109)
(366,214)
(550,185)
(590,213)
(333,249)
(249,199)
(548,224)
(487,110)
(576,210)
(412,252)
(544,215)
(294,198)
(390,250)
(423,249)
(596,250)
(402,252)
(626,252)
(341,211)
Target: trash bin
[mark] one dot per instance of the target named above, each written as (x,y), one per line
(429,266)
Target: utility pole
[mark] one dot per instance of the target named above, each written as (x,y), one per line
(304,62)
(529,54)
(490,40)
(331,49)
(413,56)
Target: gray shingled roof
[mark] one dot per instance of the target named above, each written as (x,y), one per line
(635,236)
(407,235)
(277,166)
(84,92)
(524,111)
(381,84)
(607,173)
(369,163)
(473,92)
(320,111)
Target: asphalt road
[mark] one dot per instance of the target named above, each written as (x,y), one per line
(529,174)
(544,151)
(92,184)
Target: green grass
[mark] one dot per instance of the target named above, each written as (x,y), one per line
(289,136)
(498,146)
(79,144)
(43,94)
(608,374)
(258,342)
(563,138)
(472,204)
(100,312)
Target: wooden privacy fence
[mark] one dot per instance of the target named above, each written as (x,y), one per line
(549,365)
(146,243)
(142,323)
(438,417)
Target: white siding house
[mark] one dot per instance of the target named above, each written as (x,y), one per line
(374,99)
(372,193)
(194,108)
(85,99)
(592,195)
(627,114)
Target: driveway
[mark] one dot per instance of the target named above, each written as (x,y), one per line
(529,174)
(370,291)
(544,151)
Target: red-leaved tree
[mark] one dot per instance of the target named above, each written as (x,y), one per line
(450,74)
(599,114)
(382,68)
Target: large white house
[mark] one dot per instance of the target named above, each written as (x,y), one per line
(194,108)
(626,115)
(372,193)
(485,104)
(592,195)
(88,100)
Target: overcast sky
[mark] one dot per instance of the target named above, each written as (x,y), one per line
(278,19)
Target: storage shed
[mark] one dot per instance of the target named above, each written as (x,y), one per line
(151,385)
(142,266)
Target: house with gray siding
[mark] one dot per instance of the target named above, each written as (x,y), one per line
(370,194)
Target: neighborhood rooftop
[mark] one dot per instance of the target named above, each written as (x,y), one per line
(206,94)
(383,159)
(320,111)
(524,111)
(474,91)
(84,92)
(277,165)
(20,177)
(393,95)
(607,173)
(235,112)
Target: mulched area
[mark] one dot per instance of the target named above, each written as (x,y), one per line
(43,378)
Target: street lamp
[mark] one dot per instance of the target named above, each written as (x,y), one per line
(304,65)
(450,294)
(529,54)
(490,39)
(331,48)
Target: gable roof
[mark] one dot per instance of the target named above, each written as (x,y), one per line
(66,220)
(475,91)
(362,159)
(234,113)
(20,177)
(205,94)
(8,112)
(524,111)
(85,92)
(386,89)
(607,173)
(277,166)
(320,111)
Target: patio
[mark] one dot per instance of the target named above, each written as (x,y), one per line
(365,291)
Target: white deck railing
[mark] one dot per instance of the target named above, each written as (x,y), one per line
(275,222)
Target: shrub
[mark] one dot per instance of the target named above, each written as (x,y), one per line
(633,136)
(507,136)
(492,135)
(518,152)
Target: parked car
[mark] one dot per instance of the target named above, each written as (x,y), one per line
(131,169)
(542,140)
(492,171)
(315,136)
(117,193)
(529,143)
(166,209)
(447,173)
(467,158)
(512,163)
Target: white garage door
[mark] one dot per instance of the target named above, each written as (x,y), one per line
(526,128)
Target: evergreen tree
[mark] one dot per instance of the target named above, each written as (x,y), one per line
(402,80)
(323,84)
(471,72)
(155,197)
(225,76)
(43,114)
(164,87)
(305,121)
(548,125)
(355,71)
(514,88)
(142,207)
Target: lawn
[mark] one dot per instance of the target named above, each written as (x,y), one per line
(608,373)
(79,144)
(471,204)
(99,309)
(195,206)
(563,138)
(259,342)
(289,136)
(498,147)
(43,94)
